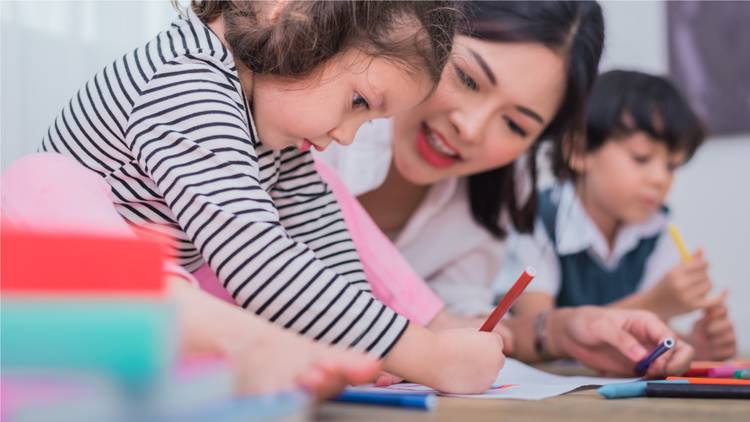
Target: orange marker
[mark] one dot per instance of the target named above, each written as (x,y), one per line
(507,301)
(723,381)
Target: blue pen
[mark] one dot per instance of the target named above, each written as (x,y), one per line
(423,401)
(642,367)
(630,389)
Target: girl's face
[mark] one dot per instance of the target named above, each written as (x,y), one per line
(494,99)
(626,179)
(332,103)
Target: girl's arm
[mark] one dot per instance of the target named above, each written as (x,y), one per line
(391,277)
(190,136)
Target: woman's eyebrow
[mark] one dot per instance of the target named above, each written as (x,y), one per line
(484,66)
(531,113)
(491,76)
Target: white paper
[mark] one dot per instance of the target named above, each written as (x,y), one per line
(515,381)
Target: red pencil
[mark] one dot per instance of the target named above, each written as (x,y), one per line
(507,301)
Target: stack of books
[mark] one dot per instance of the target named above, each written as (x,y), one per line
(88,334)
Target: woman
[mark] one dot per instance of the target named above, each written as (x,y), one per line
(520,73)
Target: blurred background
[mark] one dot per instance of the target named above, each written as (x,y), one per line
(49,49)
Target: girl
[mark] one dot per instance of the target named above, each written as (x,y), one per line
(202,135)
(601,232)
(519,74)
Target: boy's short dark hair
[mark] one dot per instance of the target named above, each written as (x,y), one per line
(624,102)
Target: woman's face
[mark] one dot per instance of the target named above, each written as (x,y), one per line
(493,101)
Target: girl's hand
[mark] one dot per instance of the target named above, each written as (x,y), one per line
(445,320)
(461,361)
(684,289)
(468,360)
(385,379)
(263,358)
(713,335)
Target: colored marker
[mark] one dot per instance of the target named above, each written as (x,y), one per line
(642,367)
(722,381)
(411,401)
(743,374)
(507,301)
(723,372)
(677,238)
(655,389)
(626,390)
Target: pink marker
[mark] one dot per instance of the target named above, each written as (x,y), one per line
(723,372)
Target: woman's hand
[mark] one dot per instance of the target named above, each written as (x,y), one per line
(614,340)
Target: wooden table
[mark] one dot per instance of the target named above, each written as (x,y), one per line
(580,405)
(577,406)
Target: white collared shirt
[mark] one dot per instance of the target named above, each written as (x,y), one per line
(441,240)
(576,232)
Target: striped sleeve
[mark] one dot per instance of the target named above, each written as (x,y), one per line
(189,132)
(311,215)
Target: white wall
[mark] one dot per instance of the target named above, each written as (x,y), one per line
(50,48)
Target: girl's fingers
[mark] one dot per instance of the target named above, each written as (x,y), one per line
(385,379)
(507,337)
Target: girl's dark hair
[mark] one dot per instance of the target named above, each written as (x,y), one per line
(576,31)
(308,33)
(624,102)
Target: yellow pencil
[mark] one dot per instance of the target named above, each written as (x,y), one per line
(679,243)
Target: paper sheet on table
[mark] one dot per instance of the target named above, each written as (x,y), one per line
(515,381)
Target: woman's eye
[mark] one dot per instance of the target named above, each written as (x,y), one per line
(641,159)
(513,126)
(467,80)
(359,101)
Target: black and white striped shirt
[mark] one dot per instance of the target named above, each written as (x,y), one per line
(168,128)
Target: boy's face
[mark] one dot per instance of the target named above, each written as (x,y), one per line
(627,179)
(332,103)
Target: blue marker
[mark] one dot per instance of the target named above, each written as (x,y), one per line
(642,367)
(630,389)
(421,401)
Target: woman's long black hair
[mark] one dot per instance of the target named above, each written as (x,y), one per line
(576,31)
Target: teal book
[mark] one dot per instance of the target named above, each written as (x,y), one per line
(132,340)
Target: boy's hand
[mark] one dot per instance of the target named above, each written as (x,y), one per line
(713,335)
(684,289)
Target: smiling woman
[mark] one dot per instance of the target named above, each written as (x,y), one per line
(520,72)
